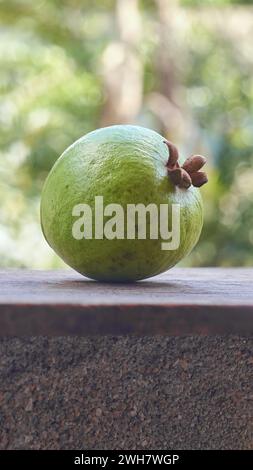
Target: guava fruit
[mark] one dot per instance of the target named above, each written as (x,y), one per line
(123,165)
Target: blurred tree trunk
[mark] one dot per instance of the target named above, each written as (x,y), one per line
(166,53)
(122,67)
(165,102)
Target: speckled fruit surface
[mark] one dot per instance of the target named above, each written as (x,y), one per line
(126,165)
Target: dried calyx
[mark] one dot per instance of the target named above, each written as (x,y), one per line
(187,174)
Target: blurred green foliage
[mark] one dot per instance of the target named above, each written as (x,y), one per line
(53,90)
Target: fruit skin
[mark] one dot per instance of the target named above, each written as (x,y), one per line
(126,165)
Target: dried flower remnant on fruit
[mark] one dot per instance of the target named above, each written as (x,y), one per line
(188,174)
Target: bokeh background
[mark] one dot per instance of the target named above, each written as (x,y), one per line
(184,68)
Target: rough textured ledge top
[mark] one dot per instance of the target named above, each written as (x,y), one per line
(179,302)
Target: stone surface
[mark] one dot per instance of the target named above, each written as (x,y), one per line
(126,393)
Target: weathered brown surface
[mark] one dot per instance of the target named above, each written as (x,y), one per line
(126,393)
(179,302)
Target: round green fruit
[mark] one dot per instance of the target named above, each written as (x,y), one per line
(122,165)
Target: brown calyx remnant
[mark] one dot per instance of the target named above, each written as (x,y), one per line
(187,174)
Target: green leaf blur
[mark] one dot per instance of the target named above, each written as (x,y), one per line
(182,68)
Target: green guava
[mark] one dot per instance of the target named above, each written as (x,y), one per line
(125,165)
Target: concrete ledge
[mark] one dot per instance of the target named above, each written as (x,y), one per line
(179,302)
